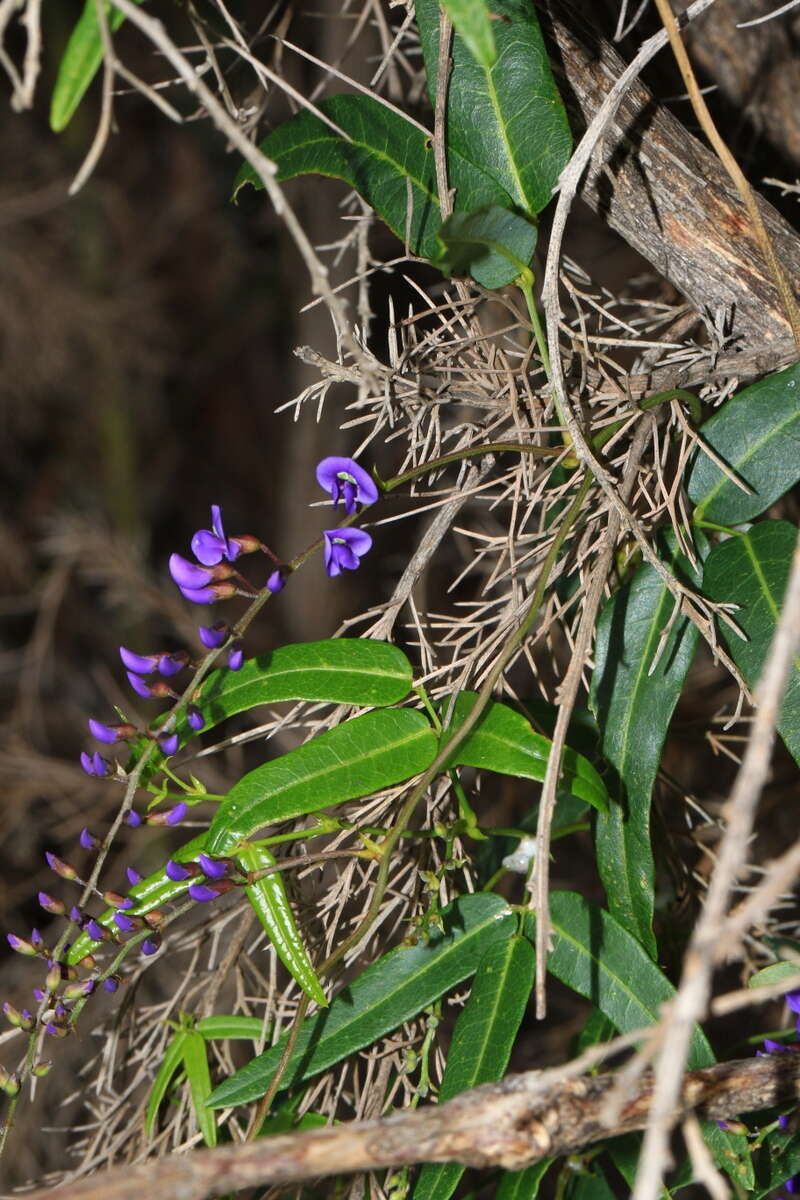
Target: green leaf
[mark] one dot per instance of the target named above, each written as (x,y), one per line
(385,158)
(482,1041)
(492,244)
(172,1062)
(774,973)
(355,759)
(507,119)
(504,741)
(473,23)
(591,1184)
(390,991)
(226,1025)
(778,1161)
(757,433)
(339,671)
(151,893)
(523,1185)
(80,62)
(195,1062)
(752,571)
(597,958)
(633,708)
(271,905)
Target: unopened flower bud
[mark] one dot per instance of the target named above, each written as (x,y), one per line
(203,892)
(236,656)
(134,819)
(214,868)
(194,718)
(11,1085)
(142,664)
(58,1031)
(115,900)
(88,962)
(277,580)
(87,840)
(96,931)
(21,946)
(150,946)
(177,872)
(110,733)
(178,813)
(60,867)
(76,991)
(213,636)
(111,984)
(133,876)
(171,664)
(169,743)
(52,979)
(95,764)
(154,918)
(210,594)
(125,923)
(42,1068)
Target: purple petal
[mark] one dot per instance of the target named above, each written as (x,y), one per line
(87,841)
(139,686)
(111,984)
(142,664)
(177,814)
(204,595)
(103,733)
(784,1121)
(133,876)
(208,548)
(345,479)
(176,871)
(126,903)
(126,924)
(277,580)
(86,763)
(169,743)
(188,574)
(148,947)
(99,764)
(20,945)
(202,892)
(774,1047)
(793,1001)
(134,819)
(236,658)
(214,636)
(171,664)
(96,931)
(75,914)
(194,718)
(214,868)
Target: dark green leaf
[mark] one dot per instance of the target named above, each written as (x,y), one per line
(482,1041)
(591,1184)
(634,707)
(393,989)
(80,62)
(172,1062)
(195,1064)
(472,20)
(523,1185)
(386,159)
(504,741)
(752,571)
(757,434)
(492,244)
(340,671)
(354,759)
(508,120)
(597,958)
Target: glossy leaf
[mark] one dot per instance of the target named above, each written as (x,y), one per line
(151,893)
(757,434)
(172,1062)
(482,1041)
(228,1025)
(494,245)
(634,704)
(271,905)
(597,958)
(774,973)
(395,988)
(752,570)
(504,741)
(195,1063)
(385,158)
(354,759)
(472,21)
(339,671)
(80,62)
(508,119)
(523,1185)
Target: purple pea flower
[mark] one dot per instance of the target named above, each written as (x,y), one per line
(202,892)
(169,743)
(111,984)
(75,914)
(177,872)
(123,922)
(210,594)
(347,481)
(188,574)
(149,946)
(213,636)
(194,718)
(236,656)
(793,1001)
(87,840)
(110,733)
(343,548)
(210,546)
(177,814)
(142,664)
(95,764)
(139,686)
(277,580)
(171,664)
(134,819)
(214,868)
(133,876)
(96,931)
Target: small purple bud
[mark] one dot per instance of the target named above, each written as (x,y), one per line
(772,1047)
(188,574)
(210,594)
(149,946)
(39,994)
(111,984)
(100,766)
(784,1121)
(60,867)
(134,819)
(75,914)
(177,814)
(20,945)
(60,1011)
(202,892)
(86,763)
(56,1030)
(53,977)
(87,840)
(113,899)
(126,924)
(194,718)
(36,939)
(213,636)
(236,657)
(50,905)
(142,664)
(169,743)
(277,580)
(76,991)
(139,686)
(103,733)
(177,872)
(96,931)
(793,1001)
(133,876)
(125,902)
(171,664)
(214,868)
(12,1015)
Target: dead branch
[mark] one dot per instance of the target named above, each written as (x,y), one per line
(509,1124)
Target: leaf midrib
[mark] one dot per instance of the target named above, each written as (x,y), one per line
(738,463)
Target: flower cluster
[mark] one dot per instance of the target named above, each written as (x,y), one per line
(792,999)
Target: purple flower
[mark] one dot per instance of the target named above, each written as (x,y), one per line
(177,814)
(236,656)
(213,636)
(793,1001)
(39,994)
(177,872)
(188,574)
(210,594)
(75,914)
(214,868)
(96,931)
(171,664)
(346,480)
(109,733)
(771,1047)
(59,866)
(133,876)
(111,984)
(87,840)
(149,946)
(343,548)
(95,764)
(277,580)
(202,892)
(57,907)
(123,922)
(194,718)
(210,546)
(142,664)
(169,743)
(793,1185)
(134,819)
(139,686)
